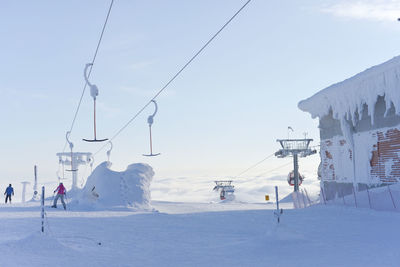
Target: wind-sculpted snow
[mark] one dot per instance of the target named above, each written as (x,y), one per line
(108,188)
(346,99)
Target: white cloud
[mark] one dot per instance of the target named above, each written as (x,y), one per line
(378,10)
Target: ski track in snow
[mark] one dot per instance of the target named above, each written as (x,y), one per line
(199,234)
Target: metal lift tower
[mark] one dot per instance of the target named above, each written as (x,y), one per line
(74,160)
(295,148)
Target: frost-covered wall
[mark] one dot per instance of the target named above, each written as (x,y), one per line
(359,130)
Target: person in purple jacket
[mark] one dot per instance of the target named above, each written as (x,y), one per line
(9,191)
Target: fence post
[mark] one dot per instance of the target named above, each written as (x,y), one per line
(369,199)
(323,195)
(42,209)
(391,196)
(354,193)
(277,212)
(344,202)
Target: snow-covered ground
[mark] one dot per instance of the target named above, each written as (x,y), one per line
(182,222)
(199,234)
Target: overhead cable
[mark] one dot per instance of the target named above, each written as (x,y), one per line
(175,76)
(91,68)
(254,165)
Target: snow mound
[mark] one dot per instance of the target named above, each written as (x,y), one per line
(287,199)
(346,99)
(108,188)
(35,243)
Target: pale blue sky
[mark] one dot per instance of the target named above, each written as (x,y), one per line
(220,116)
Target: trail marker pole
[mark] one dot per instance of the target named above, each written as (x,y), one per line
(42,209)
(35,192)
(278,212)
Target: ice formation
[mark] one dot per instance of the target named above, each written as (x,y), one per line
(108,188)
(346,99)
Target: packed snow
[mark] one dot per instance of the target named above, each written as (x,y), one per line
(200,234)
(131,218)
(109,230)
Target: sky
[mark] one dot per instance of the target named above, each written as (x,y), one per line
(221,115)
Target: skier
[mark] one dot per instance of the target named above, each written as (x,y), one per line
(60,194)
(9,191)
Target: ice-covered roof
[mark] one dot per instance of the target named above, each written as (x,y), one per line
(349,96)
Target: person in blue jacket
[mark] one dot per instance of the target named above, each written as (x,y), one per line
(9,191)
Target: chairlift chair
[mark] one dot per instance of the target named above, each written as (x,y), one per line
(225,187)
(290,178)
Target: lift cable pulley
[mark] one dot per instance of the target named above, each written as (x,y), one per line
(150,121)
(94,92)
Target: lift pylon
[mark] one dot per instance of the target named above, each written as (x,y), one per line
(295,148)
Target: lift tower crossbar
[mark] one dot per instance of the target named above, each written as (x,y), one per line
(295,148)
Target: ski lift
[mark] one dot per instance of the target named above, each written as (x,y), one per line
(109,153)
(94,92)
(290,178)
(62,163)
(226,189)
(150,122)
(71,146)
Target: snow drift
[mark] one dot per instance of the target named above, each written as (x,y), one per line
(108,188)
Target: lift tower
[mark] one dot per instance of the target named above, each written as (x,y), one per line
(295,148)
(74,160)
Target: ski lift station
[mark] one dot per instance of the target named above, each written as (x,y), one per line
(359,122)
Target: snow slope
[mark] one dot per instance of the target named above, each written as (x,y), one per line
(190,234)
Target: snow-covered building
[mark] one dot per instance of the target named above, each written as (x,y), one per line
(359,121)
